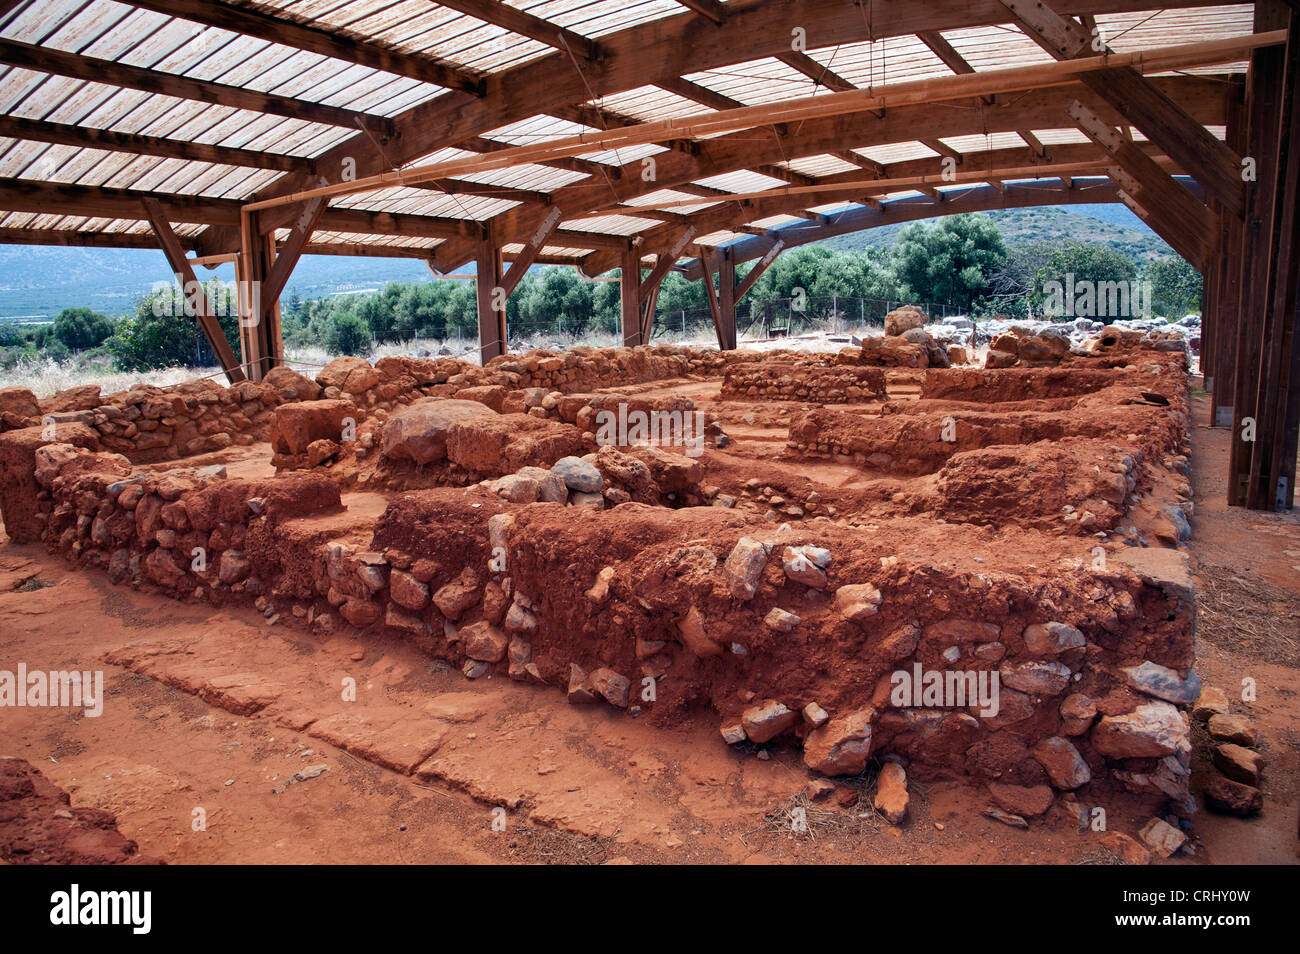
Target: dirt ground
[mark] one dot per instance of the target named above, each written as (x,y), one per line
(426,766)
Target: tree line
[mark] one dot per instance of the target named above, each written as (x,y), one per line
(959,261)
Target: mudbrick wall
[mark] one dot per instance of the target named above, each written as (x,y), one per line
(606,572)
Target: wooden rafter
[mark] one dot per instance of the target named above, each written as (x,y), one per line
(709,9)
(1206,157)
(341,44)
(1058,74)
(197,297)
(821,75)
(525,24)
(44,59)
(659,50)
(1181,219)
(16,127)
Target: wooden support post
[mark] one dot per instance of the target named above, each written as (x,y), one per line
(1264,108)
(629,299)
(1277,402)
(727,298)
(195,295)
(711,294)
(260,337)
(491,298)
(1232,297)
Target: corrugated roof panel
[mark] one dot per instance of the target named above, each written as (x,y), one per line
(896,152)
(982,143)
(758,81)
(650,104)
(742,181)
(822,166)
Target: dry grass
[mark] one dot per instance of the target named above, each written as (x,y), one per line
(551,846)
(1241,612)
(44,376)
(800,817)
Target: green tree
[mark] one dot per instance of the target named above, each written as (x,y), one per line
(164,332)
(1092,273)
(949,261)
(1175,287)
(559,293)
(81,328)
(347,334)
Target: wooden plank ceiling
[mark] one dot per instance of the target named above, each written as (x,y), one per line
(194,108)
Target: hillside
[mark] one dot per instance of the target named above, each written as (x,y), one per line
(36,282)
(1110,225)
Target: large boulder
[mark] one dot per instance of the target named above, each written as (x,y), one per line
(352,375)
(84,397)
(503,443)
(295,426)
(19,402)
(893,352)
(284,378)
(903,319)
(418,433)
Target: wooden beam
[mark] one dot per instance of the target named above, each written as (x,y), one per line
(1205,157)
(710,293)
(659,49)
(1159,194)
(664,261)
(15,127)
(196,296)
(759,268)
(629,299)
(821,75)
(1061,73)
(327,40)
(44,59)
(71,238)
(525,24)
(289,253)
(1271,478)
(487,191)
(946,52)
(698,94)
(492,337)
(709,9)
(727,299)
(524,260)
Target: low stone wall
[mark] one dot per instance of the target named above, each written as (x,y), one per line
(794,634)
(785,381)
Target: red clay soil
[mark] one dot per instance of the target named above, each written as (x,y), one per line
(38,826)
(303,686)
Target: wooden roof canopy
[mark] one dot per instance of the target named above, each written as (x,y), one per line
(206,106)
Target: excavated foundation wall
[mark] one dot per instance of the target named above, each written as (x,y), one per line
(608,577)
(789,381)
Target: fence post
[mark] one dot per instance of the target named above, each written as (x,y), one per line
(683,325)
(835,313)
